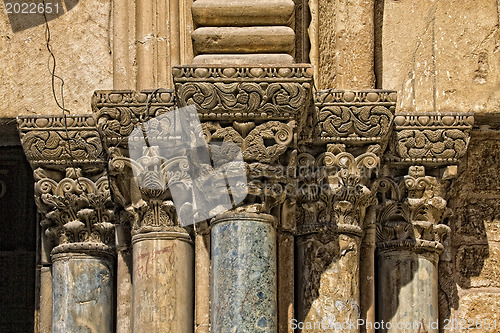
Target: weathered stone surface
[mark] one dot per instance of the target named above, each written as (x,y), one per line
(344,43)
(408,287)
(80,40)
(483,163)
(163,281)
(286,270)
(446,59)
(276,39)
(202,283)
(489,265)
(45,311)
(328,281)
(242,12)
(243,59)
(244,273)
(478,310)
(83,296)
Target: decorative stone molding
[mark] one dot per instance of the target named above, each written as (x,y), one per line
(71,183)
(430,138)
(245,93)
(57,141)
(352,117)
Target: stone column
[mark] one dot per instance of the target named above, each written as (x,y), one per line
(202,281)
(82,292)
(163,282)
(409,243)
(162,250)
(335,191)
(72,194)
(410,229)
(259,109)
(244,273)
(328,244)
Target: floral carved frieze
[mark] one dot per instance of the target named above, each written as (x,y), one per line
(430,138)
(244,93)
(59,141)
(351,117)
(119,111)
(71,183)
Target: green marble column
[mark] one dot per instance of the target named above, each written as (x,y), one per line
(244,279)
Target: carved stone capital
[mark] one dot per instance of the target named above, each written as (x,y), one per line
(137,182)
(261,109)
(430,139)
(71,183)
(334,190)
(412,215)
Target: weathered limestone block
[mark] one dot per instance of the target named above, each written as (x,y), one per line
(219,40)
(163,282)
(83,295)
(342,43)
(234,13)
(244,273)
(446,60)
(478,308)
(162,40)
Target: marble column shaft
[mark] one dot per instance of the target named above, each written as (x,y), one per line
(407,290)
(163,281)
(82,292)
(244,278)
(328,281)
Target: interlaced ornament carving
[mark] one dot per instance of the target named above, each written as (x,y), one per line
(356,117)
(78,210)
(60,141)
(431,138)
(245,93)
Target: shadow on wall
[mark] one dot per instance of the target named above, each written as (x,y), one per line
(475,207)
(27,14)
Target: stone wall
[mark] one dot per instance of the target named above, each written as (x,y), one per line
(81,40)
